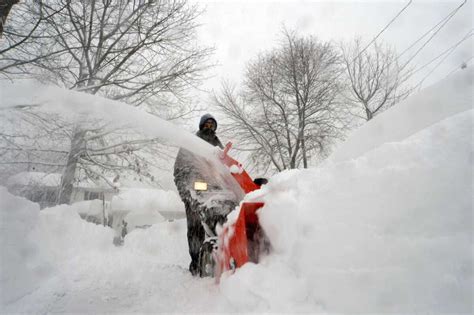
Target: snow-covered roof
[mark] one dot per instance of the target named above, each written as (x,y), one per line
(147,200)
(35,179)
(48,180)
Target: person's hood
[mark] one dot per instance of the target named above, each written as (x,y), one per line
(204,118)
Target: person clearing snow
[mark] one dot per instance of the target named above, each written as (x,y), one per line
(206,202)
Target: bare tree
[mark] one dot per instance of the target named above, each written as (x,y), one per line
(29,143)
(287,112)
(125,50)
(375,79)
(139,52)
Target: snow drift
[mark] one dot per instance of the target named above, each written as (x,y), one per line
(390,231)
(35,245)
(419,111)
(387,231)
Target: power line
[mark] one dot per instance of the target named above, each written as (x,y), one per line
(377,36)
(442,60)
(383,30)
(469,34)
(438,27)
(446,20)
(431,29)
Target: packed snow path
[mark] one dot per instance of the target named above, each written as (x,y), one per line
(386,230)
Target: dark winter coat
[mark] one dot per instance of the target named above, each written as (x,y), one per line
(189,168)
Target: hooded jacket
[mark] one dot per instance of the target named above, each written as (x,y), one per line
(204,118)
(189,168)
(208,135)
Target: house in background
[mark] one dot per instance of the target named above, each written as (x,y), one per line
(135,205)
(43,188)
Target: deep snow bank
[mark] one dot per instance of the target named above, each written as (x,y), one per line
(443,99)
(35,244)
(22,268)
(390,231)
(54,262)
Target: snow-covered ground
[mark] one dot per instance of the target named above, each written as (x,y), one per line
(383,226)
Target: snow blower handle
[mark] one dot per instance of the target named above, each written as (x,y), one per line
(226,149)
(237,171)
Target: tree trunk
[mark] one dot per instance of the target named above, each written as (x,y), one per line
(305,157)
(67,180)
(369,114)
(5,7)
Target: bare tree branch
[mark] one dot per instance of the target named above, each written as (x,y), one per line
(376,81)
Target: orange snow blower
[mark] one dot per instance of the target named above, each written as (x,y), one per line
(244,240)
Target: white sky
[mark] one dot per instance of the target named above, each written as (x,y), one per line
(239,30)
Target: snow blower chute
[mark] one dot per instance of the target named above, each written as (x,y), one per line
(243,241)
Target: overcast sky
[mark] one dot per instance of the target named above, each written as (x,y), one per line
(239,30)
